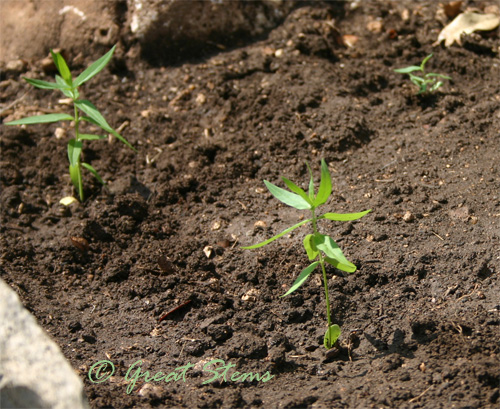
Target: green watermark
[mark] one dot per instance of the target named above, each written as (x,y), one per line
(218,369)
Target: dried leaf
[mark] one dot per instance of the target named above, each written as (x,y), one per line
(467,23)
(350,40)
(80,243)
(452,9)
(166,265)
(66,201)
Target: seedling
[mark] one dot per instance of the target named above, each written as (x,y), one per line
(320,248)
(429,82)
(89,113)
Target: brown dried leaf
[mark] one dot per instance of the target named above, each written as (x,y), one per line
(350,40)
(467,23)
(80,243)
(165,265)
(452,8)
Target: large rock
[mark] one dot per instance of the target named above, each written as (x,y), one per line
(161,30)
(168,29)
(33,371)
(29,29)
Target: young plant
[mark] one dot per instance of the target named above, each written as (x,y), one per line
(83,111)
(429,82)
(320,249)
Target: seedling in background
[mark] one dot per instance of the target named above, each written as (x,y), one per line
(429,82)
(89,113)
(320,248)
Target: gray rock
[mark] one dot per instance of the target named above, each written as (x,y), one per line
(167,28)
(33,371)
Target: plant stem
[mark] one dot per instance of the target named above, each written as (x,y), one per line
(77,123)
(77,138)
(325,279)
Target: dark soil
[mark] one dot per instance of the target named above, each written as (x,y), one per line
(420,317)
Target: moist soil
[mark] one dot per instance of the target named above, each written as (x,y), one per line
(420,316)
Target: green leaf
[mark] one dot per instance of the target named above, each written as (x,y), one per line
(311,183)
(263,243)
(41,119)
(296,189)
(301,278)
(45,84)
(334,255)
(62,67)
(311,250)
(432,74)
(74,152)
(76,179)
(94,172)
(436,86)
(325,186)
(94,68)
(289,198)
(95,117)
(348,268)
(66,90)
(416,80)
(407,70)
(89,137)
(425,61)
(344,217)
(331,336)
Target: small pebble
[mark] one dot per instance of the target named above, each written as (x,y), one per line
(408,217)
(260,223)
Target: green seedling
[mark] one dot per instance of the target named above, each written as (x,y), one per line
(320,249)
(84,111)
(429,82)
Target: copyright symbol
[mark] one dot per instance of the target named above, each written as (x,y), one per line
(99,372)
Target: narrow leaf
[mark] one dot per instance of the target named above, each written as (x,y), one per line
(301,278)
(331,336)
(432,74)
(436,86)
(311,250)
(44,84)
(296,189)
(95,117)
(62,67)
(93,113)
(348,268)
(94,172)
(407,70)
(289,198)
(311,182)
(425,61)
(76,179)
(89,137)
(263,243)
(41,119)
(344,217)
(332,251)
(94,68)
(66,90)
(74,152)
(416,80)
(325,186)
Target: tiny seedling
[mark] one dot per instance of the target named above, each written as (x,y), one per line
(89,113)
(320,248)
(429,82)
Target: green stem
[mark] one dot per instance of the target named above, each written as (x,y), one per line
(325,279)
(77,137)
(77,123)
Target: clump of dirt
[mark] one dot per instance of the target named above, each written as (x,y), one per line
(420,316)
